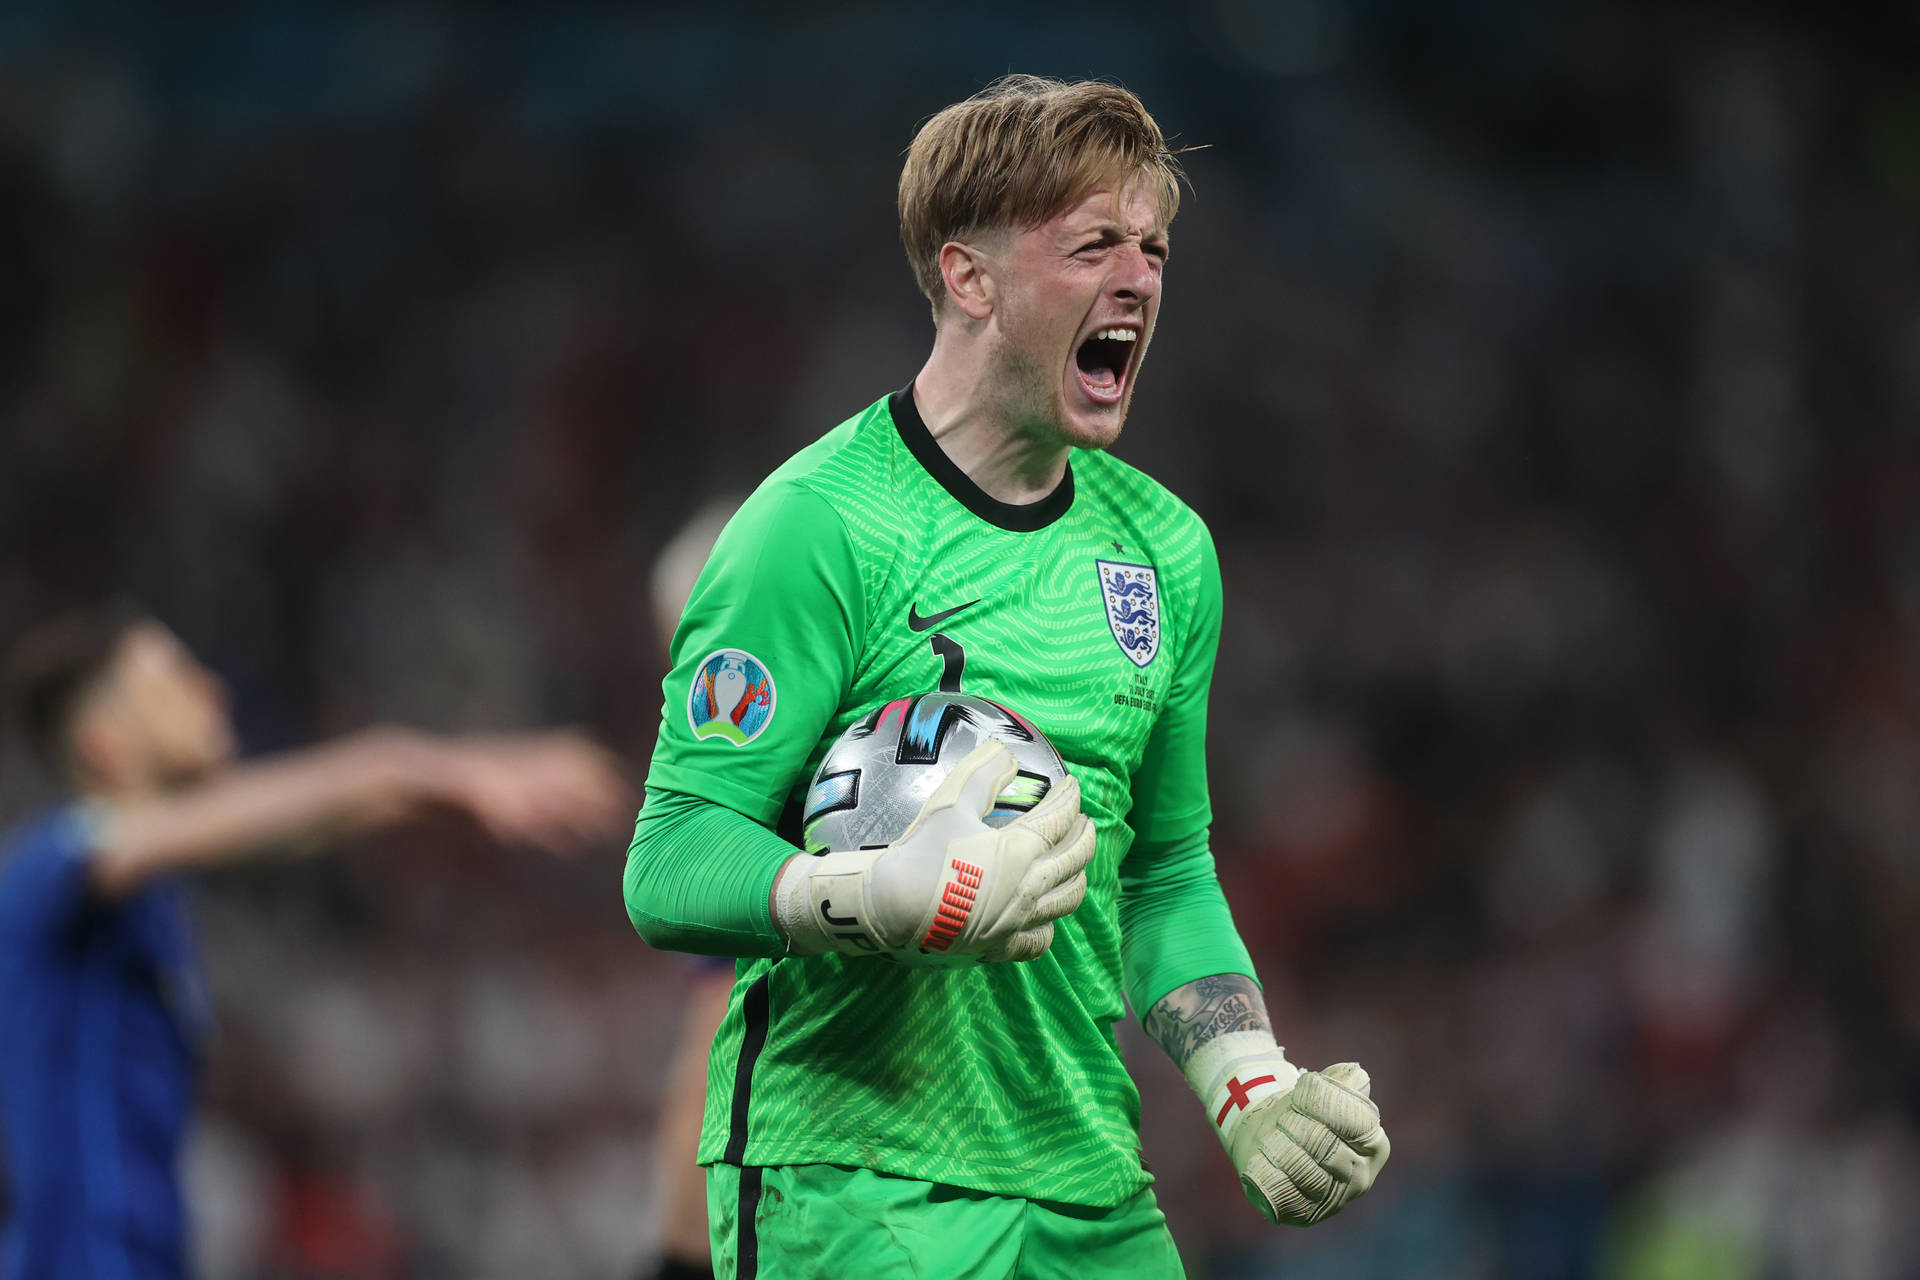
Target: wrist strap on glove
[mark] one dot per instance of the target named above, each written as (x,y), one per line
(1232,1072)
(821,905)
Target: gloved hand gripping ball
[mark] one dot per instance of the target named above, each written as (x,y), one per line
(952,889)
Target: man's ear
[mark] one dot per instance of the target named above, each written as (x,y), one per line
(970,286)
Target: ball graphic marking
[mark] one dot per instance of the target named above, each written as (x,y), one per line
(878,774)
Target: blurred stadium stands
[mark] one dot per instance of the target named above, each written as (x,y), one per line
(1550,376)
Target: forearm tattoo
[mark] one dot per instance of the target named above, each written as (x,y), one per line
(1203,1009)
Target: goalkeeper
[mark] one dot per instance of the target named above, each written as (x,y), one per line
(869,1115)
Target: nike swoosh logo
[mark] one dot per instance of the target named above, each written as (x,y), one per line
(917,623)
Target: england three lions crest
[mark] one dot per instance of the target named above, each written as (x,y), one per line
(1132,596)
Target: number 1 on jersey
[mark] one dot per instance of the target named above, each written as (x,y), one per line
(953,661)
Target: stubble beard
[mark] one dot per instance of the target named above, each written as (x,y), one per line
(1029,398)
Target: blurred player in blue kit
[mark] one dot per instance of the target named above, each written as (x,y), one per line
(103,1010)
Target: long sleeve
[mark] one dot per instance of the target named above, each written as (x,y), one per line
(1170,800)
(1175,925)
(699,877)
(761,661)
(1174,922)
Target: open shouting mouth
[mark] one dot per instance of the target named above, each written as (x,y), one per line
(1104,359)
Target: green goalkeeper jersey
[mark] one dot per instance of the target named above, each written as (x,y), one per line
(867,568)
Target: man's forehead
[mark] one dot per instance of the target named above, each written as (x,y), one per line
(1134,209)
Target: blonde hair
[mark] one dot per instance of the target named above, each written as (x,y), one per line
(1023,150)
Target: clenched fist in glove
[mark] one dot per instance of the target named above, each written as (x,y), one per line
(952,890)
(1306,1143)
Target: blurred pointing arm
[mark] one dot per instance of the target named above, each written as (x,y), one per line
(557,791)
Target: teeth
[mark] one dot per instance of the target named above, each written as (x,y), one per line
(1118,335)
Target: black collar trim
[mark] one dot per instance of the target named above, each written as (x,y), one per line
(1013,517)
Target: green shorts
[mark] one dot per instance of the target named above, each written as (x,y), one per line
(836,1223)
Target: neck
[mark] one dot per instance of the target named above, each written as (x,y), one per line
(1009,460)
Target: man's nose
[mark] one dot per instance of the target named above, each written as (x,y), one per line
(1136,277)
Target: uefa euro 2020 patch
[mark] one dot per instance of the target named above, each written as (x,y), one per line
(732,697)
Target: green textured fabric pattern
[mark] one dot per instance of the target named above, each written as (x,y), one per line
(1003,1078)
(724,910)
(829,1220)
(1174,922)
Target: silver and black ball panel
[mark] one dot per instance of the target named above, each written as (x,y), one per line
(878,775)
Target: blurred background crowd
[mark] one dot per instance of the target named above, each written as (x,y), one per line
(1549,375)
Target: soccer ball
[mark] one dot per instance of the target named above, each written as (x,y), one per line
(877,776)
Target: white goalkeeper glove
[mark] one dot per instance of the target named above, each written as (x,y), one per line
(952,890)
(1306,1143)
